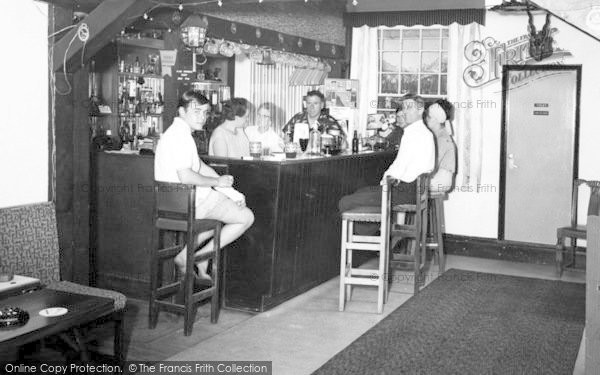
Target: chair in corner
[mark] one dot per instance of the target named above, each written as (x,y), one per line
(574,231)
(414,228)
(175,211)
(29,246)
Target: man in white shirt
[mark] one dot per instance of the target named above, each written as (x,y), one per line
(177,161)
(415,156)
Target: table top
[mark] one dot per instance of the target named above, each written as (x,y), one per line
(81,308)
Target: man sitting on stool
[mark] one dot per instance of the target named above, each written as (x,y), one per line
(177,161)
(415,157)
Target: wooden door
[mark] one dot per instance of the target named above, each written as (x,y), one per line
(538,151)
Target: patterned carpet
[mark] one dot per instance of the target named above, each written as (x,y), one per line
(474,323)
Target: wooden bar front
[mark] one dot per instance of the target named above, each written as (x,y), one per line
(292,246)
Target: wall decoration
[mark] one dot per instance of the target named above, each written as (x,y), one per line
(540,43)
(317,46)
(258,33)
(487,56)
(300,43)
(233,28)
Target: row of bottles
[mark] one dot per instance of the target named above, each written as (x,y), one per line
(140,96)
(137,67)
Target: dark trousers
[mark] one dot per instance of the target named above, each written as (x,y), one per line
(404,193)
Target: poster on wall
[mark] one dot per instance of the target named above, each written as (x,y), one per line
(341,92)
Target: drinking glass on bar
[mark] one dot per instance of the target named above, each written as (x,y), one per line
(303,144)
(256,149)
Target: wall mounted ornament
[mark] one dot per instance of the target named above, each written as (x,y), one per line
(258,33)
(233,28)
(540,43)
(300,43)
(317,46)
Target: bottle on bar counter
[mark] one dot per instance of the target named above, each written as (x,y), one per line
(355,143)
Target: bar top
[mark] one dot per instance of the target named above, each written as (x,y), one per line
(273,159)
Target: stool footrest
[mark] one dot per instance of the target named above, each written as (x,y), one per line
(167,290)
(169,252)
(368,239)
(363,246)
(361,281)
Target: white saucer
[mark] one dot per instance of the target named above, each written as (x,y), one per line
(53,311)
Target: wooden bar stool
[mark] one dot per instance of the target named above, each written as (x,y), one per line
(435,240)
(359,276)
(415,229)
(175,210)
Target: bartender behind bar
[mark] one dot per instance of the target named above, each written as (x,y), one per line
(313,117)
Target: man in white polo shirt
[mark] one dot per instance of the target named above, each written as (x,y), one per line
(415,156)
(177,161)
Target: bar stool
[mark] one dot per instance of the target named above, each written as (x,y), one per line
(175,211)
(359,276)
(435,240)
(415,229)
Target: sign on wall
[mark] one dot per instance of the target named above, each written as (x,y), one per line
(488,55)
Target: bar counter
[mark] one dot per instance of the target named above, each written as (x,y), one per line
(292,246)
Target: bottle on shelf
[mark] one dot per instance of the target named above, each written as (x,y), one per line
(136,65)
(355,143)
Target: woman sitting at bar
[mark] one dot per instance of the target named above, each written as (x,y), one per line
(263,132)
(229,139)
(438,116)
(177,161)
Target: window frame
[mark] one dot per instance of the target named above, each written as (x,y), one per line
(398,48)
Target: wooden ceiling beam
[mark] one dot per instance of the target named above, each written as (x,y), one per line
(104,23)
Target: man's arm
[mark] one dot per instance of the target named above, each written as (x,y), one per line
(188,176)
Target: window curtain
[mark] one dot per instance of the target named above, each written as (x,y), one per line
(468,118)
(364,68)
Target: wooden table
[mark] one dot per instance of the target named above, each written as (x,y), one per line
(82,309)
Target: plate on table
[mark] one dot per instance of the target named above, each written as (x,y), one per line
(53,311)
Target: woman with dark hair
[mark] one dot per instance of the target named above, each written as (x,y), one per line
(263,132)
(177,161)
(228,139)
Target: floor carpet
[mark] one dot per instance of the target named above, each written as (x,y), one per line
(474,323)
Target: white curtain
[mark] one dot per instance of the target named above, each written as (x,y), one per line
(364,67)
(468,117)
(269,84)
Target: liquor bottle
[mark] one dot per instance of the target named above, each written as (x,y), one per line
(355,143)
(136,65)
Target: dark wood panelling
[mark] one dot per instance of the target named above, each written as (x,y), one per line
(123,208)
(294,242)
(491,248)
(292,246)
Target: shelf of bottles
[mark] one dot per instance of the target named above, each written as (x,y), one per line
(140,102)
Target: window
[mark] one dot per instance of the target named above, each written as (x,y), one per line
(412,60)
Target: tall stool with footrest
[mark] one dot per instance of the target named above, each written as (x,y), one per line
(359,276)
(175,211)
(415,228)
